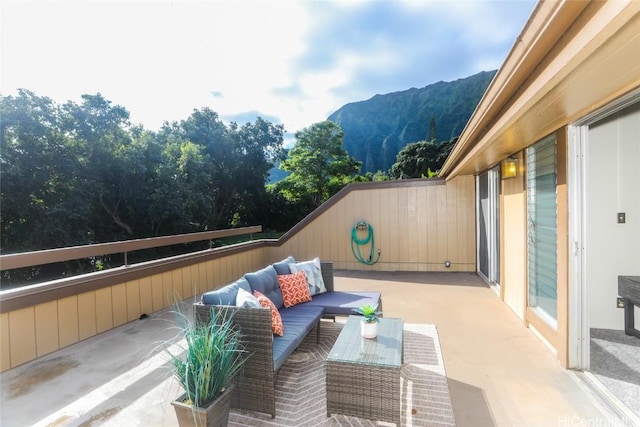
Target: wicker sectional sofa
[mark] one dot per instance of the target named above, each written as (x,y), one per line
(255,386)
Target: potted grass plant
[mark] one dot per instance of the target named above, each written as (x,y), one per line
(208,359)
(370,319)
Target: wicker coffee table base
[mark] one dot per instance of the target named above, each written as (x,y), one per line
(363,376)
(363,391)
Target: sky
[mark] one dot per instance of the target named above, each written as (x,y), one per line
(289,62)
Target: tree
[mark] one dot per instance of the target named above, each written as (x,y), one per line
(415,160)
(433,132)
(237,160)
(205,129)
(180,195)
(81,173)
(39,205)
(371,177)
(319,165)
(112,167)
(259,146)
(445,149)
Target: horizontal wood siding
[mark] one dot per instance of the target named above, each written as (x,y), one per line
(35,331)
(416,228)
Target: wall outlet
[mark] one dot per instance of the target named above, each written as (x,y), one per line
(620,302)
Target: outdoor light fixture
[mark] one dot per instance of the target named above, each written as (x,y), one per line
(509,167)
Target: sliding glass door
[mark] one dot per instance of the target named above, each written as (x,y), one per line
(542,228)
(488,186)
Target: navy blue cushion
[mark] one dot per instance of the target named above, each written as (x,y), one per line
(343,302)
(282,267)
(223,296)
(265,281)
(297,321)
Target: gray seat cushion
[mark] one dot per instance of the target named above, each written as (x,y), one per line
(343,302)
(297,321)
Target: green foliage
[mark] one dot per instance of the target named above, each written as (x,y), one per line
(430,174)
(80,173)
(422,159)
(39,206)
(369,312)
(415,160)
(445,149)
(319,165)
(282,213)
(211,356)
(433,132)
(371,177)
(237,160)
(377,129)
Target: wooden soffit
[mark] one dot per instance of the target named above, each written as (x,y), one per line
(572,58)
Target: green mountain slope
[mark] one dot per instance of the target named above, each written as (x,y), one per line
(376,129)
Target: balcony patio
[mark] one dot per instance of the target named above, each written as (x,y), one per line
(498,372)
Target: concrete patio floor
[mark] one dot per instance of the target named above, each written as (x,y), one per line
(499,372)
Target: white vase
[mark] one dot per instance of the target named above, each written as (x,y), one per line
(369,330)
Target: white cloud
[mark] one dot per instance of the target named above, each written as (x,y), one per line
(294,61)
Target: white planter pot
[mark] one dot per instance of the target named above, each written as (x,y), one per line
(369,330)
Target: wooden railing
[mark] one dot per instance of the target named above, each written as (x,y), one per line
(29,259)
(36,320)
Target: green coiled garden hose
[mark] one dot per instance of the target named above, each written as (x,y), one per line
(356,242)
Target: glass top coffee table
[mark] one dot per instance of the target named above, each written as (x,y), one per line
(363,375)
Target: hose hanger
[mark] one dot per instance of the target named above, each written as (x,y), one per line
(364,229)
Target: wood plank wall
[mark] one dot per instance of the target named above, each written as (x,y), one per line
(417,228)
(35,331)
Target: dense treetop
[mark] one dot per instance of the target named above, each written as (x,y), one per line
(80,173)
(319,165)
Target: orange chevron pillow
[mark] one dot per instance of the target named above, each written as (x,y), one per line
(276,320)
(294,288)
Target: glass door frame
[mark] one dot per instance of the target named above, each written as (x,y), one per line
(491,226)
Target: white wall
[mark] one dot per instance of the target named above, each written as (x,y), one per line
(613,185)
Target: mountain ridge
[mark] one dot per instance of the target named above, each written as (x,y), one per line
(376,129)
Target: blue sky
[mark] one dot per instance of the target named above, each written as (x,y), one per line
(290,62)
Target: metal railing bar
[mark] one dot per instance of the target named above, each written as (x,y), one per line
(29,259)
